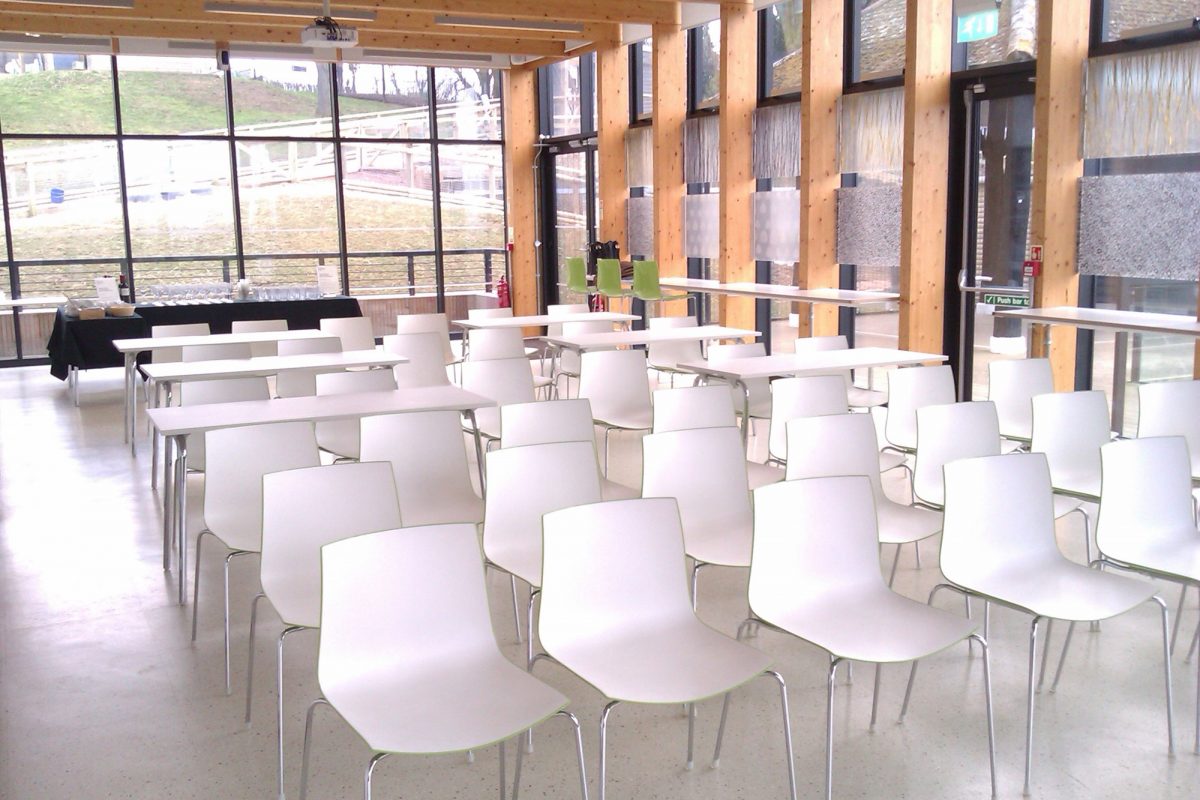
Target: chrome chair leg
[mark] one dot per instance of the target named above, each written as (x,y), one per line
(912,677)
(787,731)
(604,744)
(895,564)
(529,630)
(1192,647)
(196,580)
(917,549)
(1166,641)
(1033,631)
(716,762)
(987,688)
(1062,659)
(503,759)
(375,759)
(250,657)
(875,697)
(1178,617)
(308,726)
(279,700)
(833,665)
(696,567)
(691,715)
(516,606)
(1045,652)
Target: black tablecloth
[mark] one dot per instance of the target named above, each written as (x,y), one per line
(87,343)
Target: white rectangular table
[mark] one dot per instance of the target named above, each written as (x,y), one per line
(737,371)
(131,348)
(178,423)
(769,291)
(597,341)
(1109,318)
(538,320)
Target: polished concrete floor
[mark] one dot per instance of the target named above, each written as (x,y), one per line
(104,696)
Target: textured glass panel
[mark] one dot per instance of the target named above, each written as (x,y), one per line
(564,97)
(871,131)
(708,64)
(640,220)
(701,150)
(777,141)
(784,37)
(1140,226)
(1126,18)
(645,67)
(777,226)
(639,156)
(869,225)
(1143,104)
(468,103)
(881,25)
(1016,38)
(700,225)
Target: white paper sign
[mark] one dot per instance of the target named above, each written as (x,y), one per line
(329,279)
(107,291)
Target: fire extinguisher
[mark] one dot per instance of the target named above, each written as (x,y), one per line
(502,293)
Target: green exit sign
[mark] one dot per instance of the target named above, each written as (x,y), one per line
(978,26)
(1006,300)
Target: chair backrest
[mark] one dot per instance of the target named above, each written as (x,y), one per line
(609,568)
(260,349)
(505,380)
(808,396)
(760,388)
(666,355)
(489,344)
(814,539)
(489,313)
(1012,385)
(356,333)
(226,390)
(305,509)
(426,356)
(693,407)
(563,309)
(1170,408)
(577,274)
(542,422)
(1145,494)
(704,469)
(302,384)
(342,437)
(820,344)
(215,352)
(911,388)
(1070,428)
(429,460)
(832,445)
(169,355)
(431,581)
(568,360)
(999,517)
(237,459)
(645,280)
(428,323)
(615,382)
(608,276)
(948,433)
(524,483)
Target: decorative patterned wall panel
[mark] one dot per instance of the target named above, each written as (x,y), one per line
(777,141)
(701,149)
(640,220)
(701,231)
(871,131)
(639,156)
(869,226)
(777,226)
(1141,226)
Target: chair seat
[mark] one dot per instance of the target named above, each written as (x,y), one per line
(455,705)
(901,524)
(762,474)
(1064,590)
(1176,554)
(890,459)
(874,625)
(1081,483)
(611,490)
(680,661)
(443,508)
(641,419)
(721,545)
(866,398)
(1064,505)
(488,420)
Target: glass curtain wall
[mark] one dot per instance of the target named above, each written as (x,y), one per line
(171,171)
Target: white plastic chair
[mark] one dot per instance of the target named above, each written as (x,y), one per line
(304,510)
(569,361)
(563,309)
(215,352)
(356,333)
(426,365)
(260,349)
(809,396)
(615,611)
(429,459)
(225,390)
(505,381)
(691,407)
(169,355)
(237,460)
(815,575)
(1147,517)
(1070,428)
(430,323)
(1012,385)
(491,344)
(759,388)
(427,676)
(911,388)
(342,437)
(1000,545)
(489,313)
(844,444)
(527,482)
(704,470)
(523,424)
(615,383)
(302,384)
(858,397)
(666,356)
(1170,408)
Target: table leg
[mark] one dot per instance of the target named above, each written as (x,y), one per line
(156,395)
(168,504)
(478,452)
(129,361)
(745,413)
(181,513)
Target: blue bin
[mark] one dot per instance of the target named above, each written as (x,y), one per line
(57,195)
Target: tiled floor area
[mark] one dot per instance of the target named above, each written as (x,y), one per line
(104,696)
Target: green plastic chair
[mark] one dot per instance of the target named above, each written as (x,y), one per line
(577,275)
(608,278)
(646,286)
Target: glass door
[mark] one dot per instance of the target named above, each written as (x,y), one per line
(997,197)
(569,218)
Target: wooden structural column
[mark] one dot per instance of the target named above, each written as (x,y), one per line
(669,110)
(926,156)
(738,96)
(520,145)
(820,89)
(612,98)
(1057,167)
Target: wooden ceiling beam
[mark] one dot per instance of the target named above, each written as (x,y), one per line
(639,11)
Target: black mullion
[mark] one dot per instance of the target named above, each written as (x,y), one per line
(691,70)
(234,189)
(851,30)
(504,205)
(14,279)
(545,186)
(1098,30)
(439,263)
(634,52)
(128,266)
(761,62)
(545,95)
(587,94)
(339,173)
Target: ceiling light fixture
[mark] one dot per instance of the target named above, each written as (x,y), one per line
(84,3)
(285,11)
(509,24)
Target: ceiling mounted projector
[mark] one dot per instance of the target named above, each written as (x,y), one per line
(325,32)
